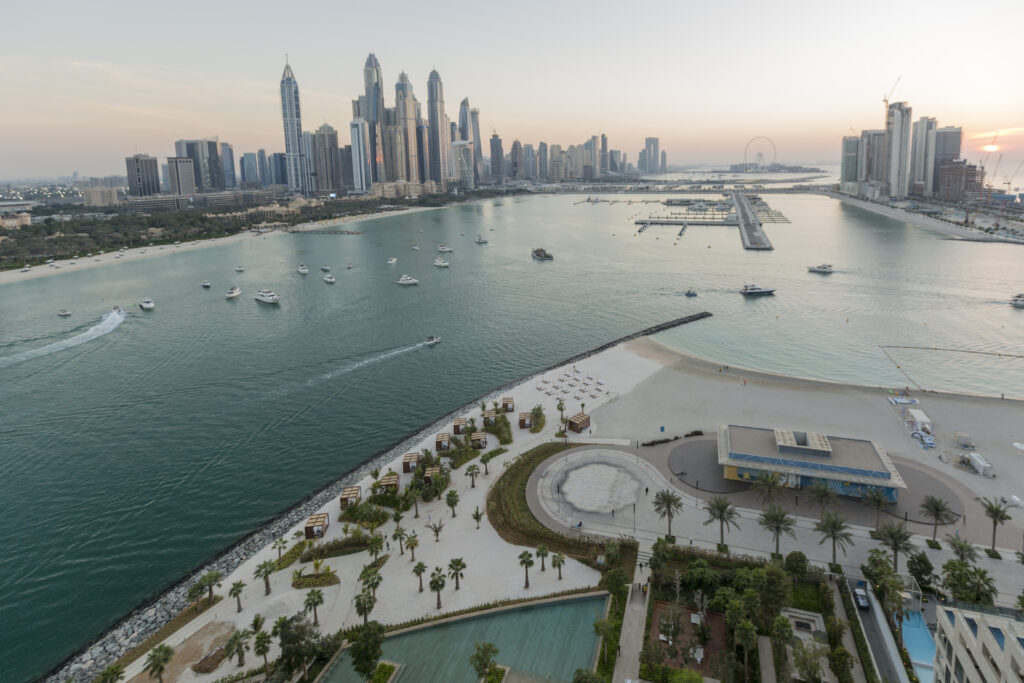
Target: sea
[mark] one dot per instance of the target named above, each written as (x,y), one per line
(136,445)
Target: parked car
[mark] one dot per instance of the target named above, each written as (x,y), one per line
(861,598)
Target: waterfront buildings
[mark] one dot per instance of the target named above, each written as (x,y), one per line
(478,153)
(439,132)
(405,119)
(462,151)
(849,170)
(327,158)
(922,157)
(871,165)
(370,107)
(515,161)
(960,181)
(361,179)
(291,114)
(497,160)
(100,196)
(207,165)
(947,148)
(227,156)
(181,176)
(976,647)
(897,149)
(266,178)
(248,166)
(652,155)
(143,175)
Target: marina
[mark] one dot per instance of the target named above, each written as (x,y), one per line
(744,213)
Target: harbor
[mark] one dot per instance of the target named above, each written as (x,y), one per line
(747,212)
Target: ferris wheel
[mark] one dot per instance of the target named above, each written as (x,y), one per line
(760,153)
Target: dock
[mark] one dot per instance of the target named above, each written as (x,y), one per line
(751,230)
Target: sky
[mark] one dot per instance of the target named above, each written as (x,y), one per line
(88,83)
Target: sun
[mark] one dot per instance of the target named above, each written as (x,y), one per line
(990,148)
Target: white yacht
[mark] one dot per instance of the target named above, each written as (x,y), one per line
(326,269)
(415,247)
(239,269)
(406,280)
(147,304)
(1018,300)
(754,290)
(392,261)
(303,270)
(431,340)
(444,248)
(232,293)
(329,279)
(205,284)
(824,268)
(440,262)
(350,266)
(480,239)
(63,312)
(267,296)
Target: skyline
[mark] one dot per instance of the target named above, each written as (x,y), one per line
(559,91)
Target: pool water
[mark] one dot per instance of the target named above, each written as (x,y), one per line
(546,642)
(921,646)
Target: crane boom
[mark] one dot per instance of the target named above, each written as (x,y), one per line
(885,98)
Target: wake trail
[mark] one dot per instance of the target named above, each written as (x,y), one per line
(108,323)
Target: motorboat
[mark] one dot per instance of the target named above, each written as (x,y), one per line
(147,304)
(542,254)
(116,309)
(350,266)
(406,280)
(63,312)
(691,293)
(232,293)
(444,248)
(239,269)
(824,268)
(392,261)
(1018,300)
(326,269)
(303,270)
(205,284)
(480,239)
(754,290)
(329,279)
(432,340)
(440,262)
(267,296)
(415,247)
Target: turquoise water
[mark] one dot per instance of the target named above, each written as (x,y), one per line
(921,646)
(545,643)
(131,451)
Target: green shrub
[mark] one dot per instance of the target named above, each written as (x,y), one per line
(538,424)
(316,580)
(994,554)
(723,548)
(806,596)
(293,553)
(387,499)
(353,543)
(365,513)
(501,429)
(934,545)
(382,673)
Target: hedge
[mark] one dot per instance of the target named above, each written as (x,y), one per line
(538,424)
(316,580)
(293,553)
(355,543)
(863,652)
(382,673)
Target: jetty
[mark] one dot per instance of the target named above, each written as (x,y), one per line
(751,212)
(325,231)
(751,230)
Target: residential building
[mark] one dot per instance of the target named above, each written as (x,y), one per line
(206,162)
(279,168)
(361,179)
(405,119)
(439,144)
(143,175)
(497,160)
(664,161)
(181,176)
(465,126)
(478,150)
(653,155)
(972,646)
(371,109)
(947,148)
(897,149)
(871,164)
(100,196)
(849,170)
(227,157)
(423,151)
(922,157)
(529,162)
(462,151)
(266,177)
(515,161)
(291,113)
(248,167)
(960,181)
(604,154)
(542,161)
(309,180)
(328,161)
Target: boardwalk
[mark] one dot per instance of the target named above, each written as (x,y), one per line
(751,231)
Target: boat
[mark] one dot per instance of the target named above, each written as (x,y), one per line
(754,290)
(267,296)
(147,304)
(239,269)
(205,284)
(232,293)
(415,247)
(440,262)
(350,266)
(432,340)
(329,279)
(480,239)
(392,261)
(303,270)
(542,254)
(406,280)
(326,269)
(690,292)
(1018,300)
(63,312)
(444,248)
(824,268)
(116,309)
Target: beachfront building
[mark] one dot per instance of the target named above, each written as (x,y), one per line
(507,404)
(579,422)
(459,425)
(974,647)
(410,461)
(443,442)
(850,467)
(316,525)
(489,417)
(525,420)
(350,496)
(389,482)
(478,440)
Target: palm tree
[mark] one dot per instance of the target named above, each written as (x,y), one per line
(667,504)
(542,552)
(560,407)
(437,583)
(526,561)
(767,487)
(821,495)
(833,527)
(937,510)
(412,543)
(372,579)
(211,579)
(418,571)
(878,499)
(897,537)
(962,549)
(261,648)
(720,510)
(299,535)
(997,512)
(264,571)
(237,646)
(195,594)
(473,471)
(279,545)
(413,493)
(777,521)
(112,674)
(236,592)
(257,623)
(456,567)
(451,499)
(477,516)
(981,585)
(314,598)
(280,624)
(157,660)
(376,545)
(436,528)
(400,534)
(365,602)
(557,560)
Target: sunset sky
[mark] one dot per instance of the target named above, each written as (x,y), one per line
(88,83)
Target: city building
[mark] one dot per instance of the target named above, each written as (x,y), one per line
(266,177)
(653,154)
(850,467)
(405,119)
(849,171)
(100,196)
(206,162)
(664,161)
(497,160)
(922,157)
(143,175)
(248,167)
(960,181)
(309,182)
(977,647)
(478,150)
(465,132)
(291,113)
(181,177)
(515,161)
(872,163)
(542,161)
(462,151)
(604,154)
(897,150)
(361,180)
(947,148)
(227,157)
(615,161)
(641,163)
(328,160)
(371,109)
(438,129)
(279,169)
(529,162)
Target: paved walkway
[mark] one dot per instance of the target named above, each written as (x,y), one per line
(634,621)
(848,641)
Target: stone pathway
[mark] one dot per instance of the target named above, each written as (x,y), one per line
(631,641)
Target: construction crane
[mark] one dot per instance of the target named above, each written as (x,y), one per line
(885,98)
(1010,178)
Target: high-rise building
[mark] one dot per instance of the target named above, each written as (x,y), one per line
(615,161)
(462,151)
(478,146)
(423,150)
(360,156)
(642,161)
(328,161)
(279,168)
(394,149)
(497,160)
(604,153)
(849,170)
(405,119)
(872,156)
(309,163)
(960,181)
(542,161)
(346,166)
(465,125)
(292,115)
(266,177)
(181,176)
(653,155)
(897,149)
(437,126)
(143,175)
(373,113)
(227,157)
(529,162)
(515,161)
(978,645)
(922,157)
(664,161)
(165,178)
(249,171)
(206,162)
(947,148)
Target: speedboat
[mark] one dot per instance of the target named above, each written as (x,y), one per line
(432,340)
(205,284)
(63,312)
(754,290)
(1018,300)
(444,248)
(326,269)
(392,261)
(232,293)
(147,304)
(267,296)
(116,309)
(690,292)
(350,266)
(415,247)
(329,279)
(480,239)
(406,280)
(824,268)
(239,269)
(303,270)
(542,255)
(440,262)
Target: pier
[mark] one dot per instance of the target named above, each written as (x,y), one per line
(326,231)
(751,231)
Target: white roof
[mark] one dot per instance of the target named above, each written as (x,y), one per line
(918,415)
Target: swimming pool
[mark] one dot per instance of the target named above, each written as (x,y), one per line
(921,646)
(544,642)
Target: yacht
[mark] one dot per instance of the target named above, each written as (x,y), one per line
(267,296)
(326,269)
(63,312)
(432,340)
(205,284)
(824,268)
(1018,300)
(440,262)
(329,279)
(542,254)
(444,248)
(350,266)
(690,292)
(480,239)
(406,280)
(232,293)
(147,304)
(303,270)
(754,290)
(239,269)
(392,261)
(415,247)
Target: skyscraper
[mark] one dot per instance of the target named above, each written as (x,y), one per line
(462,151)
(309,163)
(664,161)
(227,158)
(279,168)
(465,126)
(849,170)
(542,161)
(374,115)
(947,148)
(922,157)
(478,149)
(206,162)
(871,164)
(405,119)
(515,161)
(653,155)
(360,156)
(328,160)
(143,175)
(266,177)
(897,149)
(604,153)
(394,148)
(248,168)
(292,115)
(497,160)
(423,150)
(181,176)
(437,129)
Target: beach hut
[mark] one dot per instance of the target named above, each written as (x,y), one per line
(389,482)
(525,420)
(478,440)
(490,418)
(350,496)
(443,442)
(316,525)
(430,474)
(918,420)
(579,422)
(459,425)
(507,404)
(409,461)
